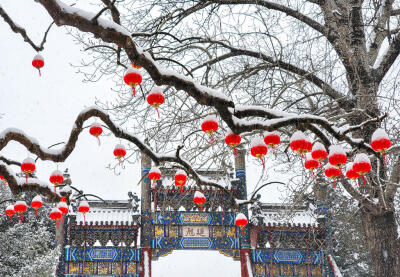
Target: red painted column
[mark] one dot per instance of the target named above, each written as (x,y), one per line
(245,263)
(145,262)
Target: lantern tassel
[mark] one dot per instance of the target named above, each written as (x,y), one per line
(234,151)
(98,140)
(21,217)
(58,223)
(242,230)
(274,151)
(40,74)
(334,183)
(84,219)
(181,187)
(262,161)
(133,91)
(35,212)
(55,191)
(356,183)
(10,218)
(385,158)
(212,141)
(201,208)
(26,177)
(313,174)
(158,113)
(363,180)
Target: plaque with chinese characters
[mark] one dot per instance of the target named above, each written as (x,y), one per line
(195,231)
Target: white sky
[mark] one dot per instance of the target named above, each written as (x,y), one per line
(46,107)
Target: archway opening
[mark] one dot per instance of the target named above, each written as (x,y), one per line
(195,263)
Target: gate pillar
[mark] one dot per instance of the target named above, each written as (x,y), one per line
(245,263)
(145,224)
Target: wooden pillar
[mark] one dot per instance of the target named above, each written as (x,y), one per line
(146,226)
(245,263)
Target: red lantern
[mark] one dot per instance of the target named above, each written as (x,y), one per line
(154,174)
(233,140)
(3,180)
(180,179)
(318,152)
(332,172)
(96,130)
(209,126)
(38,62)
(84,208)
(199,199)
(351,174)
(20,207)
(258,149)
(241,221)
(300,143)
(362,165)
(56,178)
(27,167)
(380,142)
(10,211)
(133,78)
(310,163)
(155,99)
(272,139)
(119,152)
(337,155)
(36,203)
(55,215)
(63,207)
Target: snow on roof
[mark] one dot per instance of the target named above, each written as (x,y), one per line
(361,157)
(38,57)
(318,146)
(257,141)
(180,171)
(198,194)
(298,135)
(95,124)
(37,198)
(132,70)
(379,134)
(28,160)
(107,217)
(157,89)
(336,149)
(20,202)
(62,205)
(266,133)
(240,216)
(210,117)
(10,207)
(56,172)
(155,169)
(119,146)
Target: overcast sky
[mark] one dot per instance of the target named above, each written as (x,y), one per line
(46,108)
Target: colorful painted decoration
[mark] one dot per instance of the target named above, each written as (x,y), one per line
(10,211)
(233,140)
(199,199)
(300,143)
(38,62)
(133,78)
(84,208)
(155,99)
(319,152)
(209,126)
(380,142)
(119,152)
(180,179)
(332,172)
(337,155)
(3,180)
(20,207)
(362,165)
(36,203)
(154,174)
(55,215)
(272,139)
(241,221)
(56,178)
(96,130)
(351,174)
(310,163)
(28,166)
(258,149)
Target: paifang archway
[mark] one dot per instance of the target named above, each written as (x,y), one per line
(117,240)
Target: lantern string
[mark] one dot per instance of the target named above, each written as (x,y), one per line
(235,151)
(21,217)
(40,74)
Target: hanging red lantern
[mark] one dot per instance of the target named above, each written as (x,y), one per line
(56,178)
(258,149)
(96,130)
(351,174)
(319,152)
(241,221)
(272,139)
(27,167)
(38,62)
(332,172)
(10,211)
(300,143)
(119,152)
(63,207)
(55,215)
(3,180)
(199,199)
(362,165)
(380,142)
(84,208)
(337,155)
(155,99)
(209,126)
(133,78)
(310,163)
(20,207)
(154,174)
(233,140)
(36,203)
(180,179)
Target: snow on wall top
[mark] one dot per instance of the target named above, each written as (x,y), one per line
(287,216)
(107,217)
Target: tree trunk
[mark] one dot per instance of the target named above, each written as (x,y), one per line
(381,234)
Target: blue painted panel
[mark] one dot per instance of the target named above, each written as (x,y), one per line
(196,243)
(190,218)
(102,254)
(287,256)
